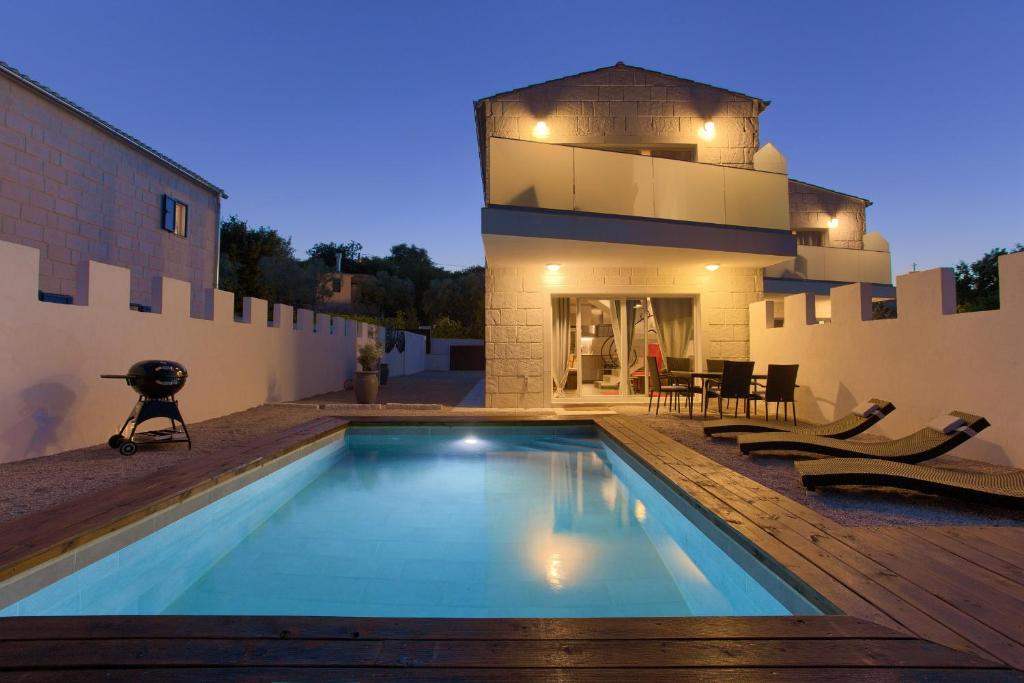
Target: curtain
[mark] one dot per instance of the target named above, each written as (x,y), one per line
(674,318)
(560,343)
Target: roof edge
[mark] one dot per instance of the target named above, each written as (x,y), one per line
(763,104)
(109,128)
(867,202)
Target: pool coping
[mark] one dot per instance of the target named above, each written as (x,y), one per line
(45,539)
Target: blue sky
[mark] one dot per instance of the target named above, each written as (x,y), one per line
(344,120)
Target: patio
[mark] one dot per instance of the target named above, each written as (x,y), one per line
(960,582)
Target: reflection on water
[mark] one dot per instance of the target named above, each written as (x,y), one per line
(407,523)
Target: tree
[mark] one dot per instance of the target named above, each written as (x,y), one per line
(459,299)
(327,254)
(977,283)
(388,295)
(241,250)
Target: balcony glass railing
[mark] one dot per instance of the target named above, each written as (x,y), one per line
(540,175)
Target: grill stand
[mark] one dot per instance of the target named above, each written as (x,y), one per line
(147,409)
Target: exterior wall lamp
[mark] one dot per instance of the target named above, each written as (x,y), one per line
(707,131)
(541,131)
(833,222)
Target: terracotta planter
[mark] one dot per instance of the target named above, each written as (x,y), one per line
(367,386)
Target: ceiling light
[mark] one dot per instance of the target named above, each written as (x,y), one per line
(554,267)
(712,267)
(707,131)
(541,130)
(833,222)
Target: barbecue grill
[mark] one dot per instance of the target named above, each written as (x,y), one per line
(156,381)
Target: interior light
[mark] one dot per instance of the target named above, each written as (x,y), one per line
(541,130)
(833,222)
(707,131)
(553,267)
(712,267)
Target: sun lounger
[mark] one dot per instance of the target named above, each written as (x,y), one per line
(858,420)
(942,434)
(986,487)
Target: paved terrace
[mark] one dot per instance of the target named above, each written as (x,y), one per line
(919,600)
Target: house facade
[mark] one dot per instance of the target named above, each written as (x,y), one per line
(77,188)
(632,215)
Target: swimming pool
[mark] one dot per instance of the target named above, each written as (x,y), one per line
(440,521)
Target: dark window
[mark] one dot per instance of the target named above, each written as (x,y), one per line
(809,238)
(175,216)
(51,298)
(336,285)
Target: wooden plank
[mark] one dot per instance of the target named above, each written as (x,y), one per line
(547,675)
(822,542)
(968,553)
(994,541)
(350,628)
(119,653)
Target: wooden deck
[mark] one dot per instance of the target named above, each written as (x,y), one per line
(960,588)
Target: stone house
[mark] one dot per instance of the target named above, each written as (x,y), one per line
(77,188)
(627,209)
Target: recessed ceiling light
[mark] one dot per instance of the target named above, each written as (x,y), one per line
(553,266)
(712,267)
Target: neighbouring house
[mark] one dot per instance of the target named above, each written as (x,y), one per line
(77,189)
(630,214)
(344,291)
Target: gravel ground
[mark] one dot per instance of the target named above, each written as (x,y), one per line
(850,505)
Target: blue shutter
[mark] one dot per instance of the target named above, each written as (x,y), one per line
(168,222)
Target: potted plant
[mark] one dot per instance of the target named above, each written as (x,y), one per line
(367,380)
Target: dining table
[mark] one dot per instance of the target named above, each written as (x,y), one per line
(706,377)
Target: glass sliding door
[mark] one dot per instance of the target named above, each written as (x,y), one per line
(600,345)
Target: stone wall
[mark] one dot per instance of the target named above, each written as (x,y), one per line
(928,361)
(518,317)
(811,207)
(75,192)
(624,105)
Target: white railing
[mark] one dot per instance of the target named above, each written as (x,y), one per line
(540,175)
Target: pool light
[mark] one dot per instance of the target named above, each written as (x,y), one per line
(554,267)
(541,131)
(470,440)
(712,267)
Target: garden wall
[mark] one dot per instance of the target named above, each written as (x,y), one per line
(928,361)
(51,396)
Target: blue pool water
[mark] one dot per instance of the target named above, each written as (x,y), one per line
(436,522)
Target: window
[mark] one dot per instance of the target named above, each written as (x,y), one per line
(53,298)
(336,284)
(175,216)
(810,238)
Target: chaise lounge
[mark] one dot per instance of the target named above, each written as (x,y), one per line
(941,435)
(858,420)
(1005,488)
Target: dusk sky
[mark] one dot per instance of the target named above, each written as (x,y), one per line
(353,121)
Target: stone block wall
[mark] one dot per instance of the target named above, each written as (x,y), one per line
(811,207)
(518,317)
(76,193)
(624,105)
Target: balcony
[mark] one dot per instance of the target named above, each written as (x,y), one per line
(564,178)
(832,264)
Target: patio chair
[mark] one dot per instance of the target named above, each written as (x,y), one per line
(657,390)
(1006,488)
(779,387)
(856,421)
(735,385)
(941,435)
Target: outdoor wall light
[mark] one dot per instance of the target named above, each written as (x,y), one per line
(541,130)
(554,267)
(707,131)
(712,267)
(833,222)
